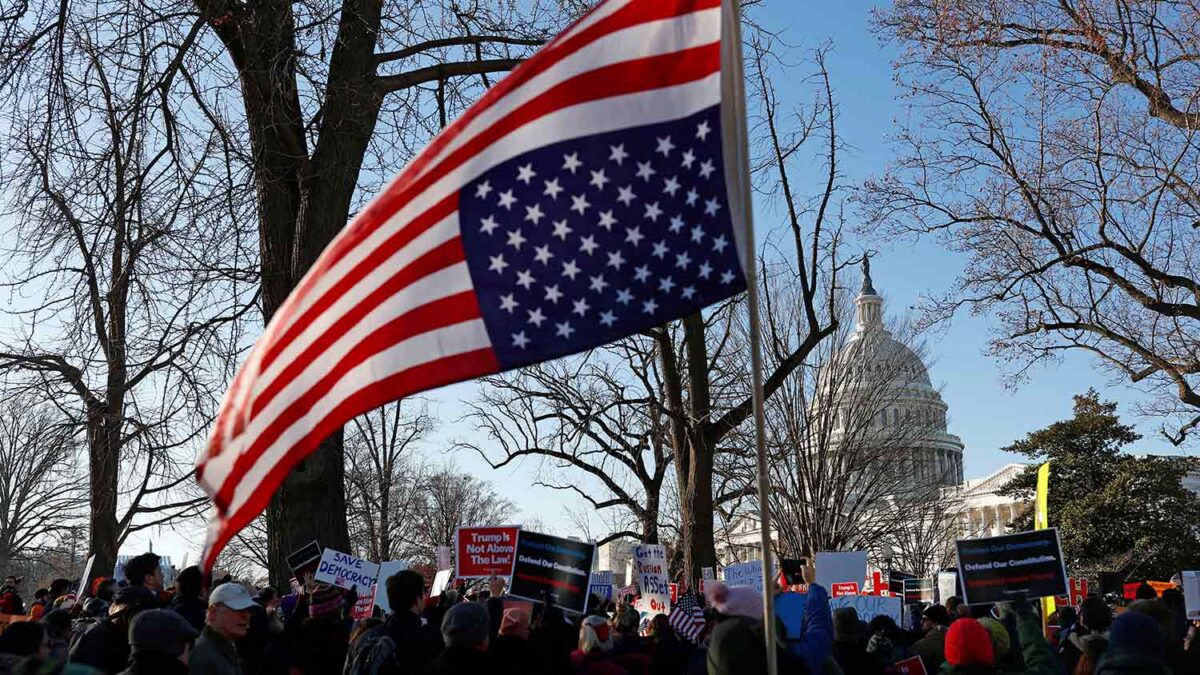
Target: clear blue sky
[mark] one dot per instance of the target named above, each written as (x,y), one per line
(982,411)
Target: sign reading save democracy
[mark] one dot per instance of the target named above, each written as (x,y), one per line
(484,551)
(346,571)
(995,569)
(547,564)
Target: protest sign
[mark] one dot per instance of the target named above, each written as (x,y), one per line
(445,558)
(744,574)
(626,591)
(484,551)
(552,565)
(840,566)
(896,581)
(6,619)
(841,588)
(707,574)
(364,605)
(387,570)
(868,606)
(947,586)
(1079,591)
(995,569)
(1191,593)
(305,560)
(83,589)
(601,585)
(918,590)
(440,581)
(650,575)
(910,666)
(346,571)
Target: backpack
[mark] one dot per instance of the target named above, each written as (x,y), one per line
(374,653)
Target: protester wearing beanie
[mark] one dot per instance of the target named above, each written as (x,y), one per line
(931,648)
(1136,644)
(160,641)
(465,629)
(324,635)
(968,647)
(594,655)
(1001,644)
(511,649)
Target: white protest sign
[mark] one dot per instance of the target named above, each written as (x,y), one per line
(346,571)
(1191,593)
(947,585)
(444,558)
(387,570)
(83,589)
(745,574)
(869,606)
(706,573)
(440,581)
(841,566)
(650,574)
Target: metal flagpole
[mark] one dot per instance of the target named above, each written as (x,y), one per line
(737,149)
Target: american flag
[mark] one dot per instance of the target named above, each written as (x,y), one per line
(687,617)
(598,190)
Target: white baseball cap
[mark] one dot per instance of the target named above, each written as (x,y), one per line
(232,595)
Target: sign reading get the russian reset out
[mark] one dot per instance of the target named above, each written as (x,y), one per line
(484,551)
(996,569)
(346,571)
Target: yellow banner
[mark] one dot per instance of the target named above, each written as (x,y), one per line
(1041,521)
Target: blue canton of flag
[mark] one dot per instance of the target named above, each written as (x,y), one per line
(579,243)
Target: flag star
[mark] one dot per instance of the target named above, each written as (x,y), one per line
(702,130)
(542,254)
(497,265)
(650,306)
(705,270)
(653,211)
(571,162)
(641,273)
(634,235)
(588,244)
(697,234)
(625,195)
(526,173)
(617,153)
(519,340)
(676,224)
(711,206)
(552,188)
(507,303)
(666,284)
(624,296)
(515,239)
(553,294)
(581,306)
(645,171)
(598,283)
(615,260)
(598,179)
(607,220)
(706,168)
(483,189)
(488,225)
(607,318)
(570,269)
(692,196)
(564,329)
(561,230)
(524,278)
(719,244)
(687,292)
(536,317)
(689,158)
(665,146)
(579,203)
(683,260)
(671,186)
(507,199)
(534,213)
(660,250)
(727,277)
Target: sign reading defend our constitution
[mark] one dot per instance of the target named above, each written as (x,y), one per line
(554,567)
(484,551)
(995,569)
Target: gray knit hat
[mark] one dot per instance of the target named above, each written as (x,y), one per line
(160,630)
(466,624)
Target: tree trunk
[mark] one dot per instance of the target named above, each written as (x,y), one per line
(103,461)
(309,505)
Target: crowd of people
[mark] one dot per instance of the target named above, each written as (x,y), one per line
(138,627)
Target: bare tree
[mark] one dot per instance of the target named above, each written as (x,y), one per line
(41,499)
(454,499)
(926,528)
(1055,144)
(385,482)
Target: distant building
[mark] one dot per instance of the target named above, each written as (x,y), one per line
(616,556)
(986,512)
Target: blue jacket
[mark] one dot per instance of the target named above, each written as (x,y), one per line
(815,644)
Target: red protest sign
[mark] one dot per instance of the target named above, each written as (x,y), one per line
(1079,590)
(909,666)
(674,593)
(843,588)
(363,606)
(484,551)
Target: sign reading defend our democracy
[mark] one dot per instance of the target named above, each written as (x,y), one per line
(553,566)
(346,571)
(484,551)
(996,569)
